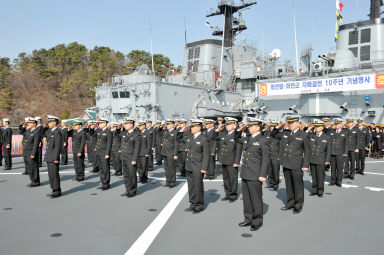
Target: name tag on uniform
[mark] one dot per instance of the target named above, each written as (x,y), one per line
(124,136)
(231,140)
(324,141)
(312,139)
(342,135)
(298,138)
(255,143)
(353,132)
(145,136)
(197,142)
(104,134)
(285,136)
(332,134)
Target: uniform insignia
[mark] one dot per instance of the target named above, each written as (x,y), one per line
(342,135)
(171,134)
(332,134)
(104,134)
(298,138)
(231,140)
(144,136)
(353,132)
(285,136)
(312,139)
(124,136)
(255,143)
(324,141)
(197,142)
(245,142)
(222,138)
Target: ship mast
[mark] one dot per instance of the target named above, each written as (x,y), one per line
(228,10)
(375,9)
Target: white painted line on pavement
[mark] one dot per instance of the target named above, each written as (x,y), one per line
(373,162)
(374,173)
(145,240)
(374,189)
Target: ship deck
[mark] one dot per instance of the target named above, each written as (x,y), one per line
(347,220)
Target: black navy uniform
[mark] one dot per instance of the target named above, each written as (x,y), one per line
(211,138)
(256,158)
(64,145)
(24,131)
(294,155)
(158,138)
(145,149)
(31,149)
(338,150)
(102,149)
(150,158)
(350,163)
(274,164)
(362,144)
(182,138)
(229,153)
(115,155)
(7,147)
(41,129)
(52,154)
(320,145)
(197,159)
(91,148)
(170,148)
(78,143)
(129,152)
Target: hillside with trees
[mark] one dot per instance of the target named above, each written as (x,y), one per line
(60,80)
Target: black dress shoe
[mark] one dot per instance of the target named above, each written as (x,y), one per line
(244,224)
(312,194)
(114,174)
(225,199)
(255,227)
(8,168)
(25,173)
(124,194)
(99,187)
(172,186)
(196,211)
(338,185)
(286,208)
(189,209)
(33,185)
(320,195)
(331,184)
(351,177)
(55,195)
(276,188)
(118,174)
(144,181)
(231,200)
(131,195)
(362,173)
(297,211)
(166,185)
(103,188)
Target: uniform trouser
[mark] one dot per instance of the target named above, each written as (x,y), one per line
(40,154)
(7,156)
(130,177)
(90,154)
(104,167)
(252,201)
(79,165)
(142,168)
(318,175)
(26,163)
(116,161)
(150,161)
(95,166)
(294,184)
(195,189)
(337,163)
(1,155)
(211,166)
(158,154)
(64,154)
(230,175)
(360,161)
(54,177)
(181,157)
(33,170)
(350,163)
(170,170)
(274,173)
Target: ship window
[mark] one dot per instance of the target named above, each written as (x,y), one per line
(353,37)
(115,94)
(354,51)
(195,66)
(365,53)
(190,66)
(365,35)
(197,52)
(190,54)
(124,94)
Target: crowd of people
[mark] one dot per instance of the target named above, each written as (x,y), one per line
(255,149)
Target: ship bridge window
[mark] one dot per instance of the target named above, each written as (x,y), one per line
(353,37)
(115,94)
(365,53)
(194,53)
(124,94)
(365,35)
(354,51)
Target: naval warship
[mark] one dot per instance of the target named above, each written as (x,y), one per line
(229,77)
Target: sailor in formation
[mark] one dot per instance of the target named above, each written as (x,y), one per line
(6,140)
(79,138)
(103,153)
